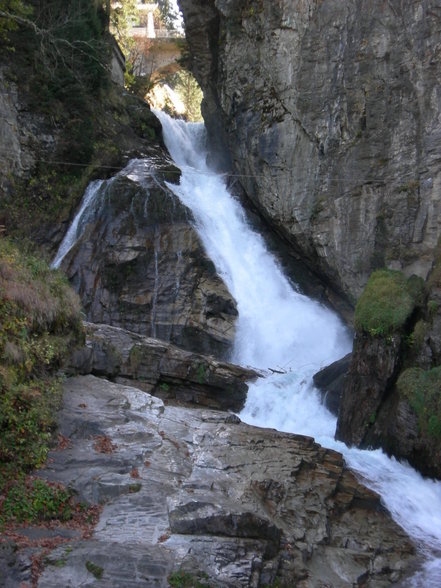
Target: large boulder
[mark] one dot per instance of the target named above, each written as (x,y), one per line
(330,382)
(372,374)
(138,263)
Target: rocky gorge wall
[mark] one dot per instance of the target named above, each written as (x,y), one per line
(178,486)
(330,112)
(329,116)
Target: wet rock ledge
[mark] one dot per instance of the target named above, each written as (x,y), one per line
(195,489)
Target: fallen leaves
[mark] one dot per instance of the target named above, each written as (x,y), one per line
(103,444)
(63,442)
(84,519)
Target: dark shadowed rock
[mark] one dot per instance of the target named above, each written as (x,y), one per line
(139,264)
(330,381)
(374,367)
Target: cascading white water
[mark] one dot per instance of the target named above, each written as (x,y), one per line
(92,200)
(278,327)
(70,238)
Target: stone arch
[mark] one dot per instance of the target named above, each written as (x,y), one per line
(157,57)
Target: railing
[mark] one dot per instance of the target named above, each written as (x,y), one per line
(159,33)
(165,33)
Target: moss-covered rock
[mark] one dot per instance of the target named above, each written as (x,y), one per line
(422,388)
(392,396)
(387,302)
(384,317)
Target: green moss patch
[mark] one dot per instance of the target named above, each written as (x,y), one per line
(422,388)
(183,579)
(94,569)
(387,302)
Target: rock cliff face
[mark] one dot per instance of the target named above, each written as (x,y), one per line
(15,156)
(330,112)
(139,264)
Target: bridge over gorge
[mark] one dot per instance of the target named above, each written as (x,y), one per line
(157,48)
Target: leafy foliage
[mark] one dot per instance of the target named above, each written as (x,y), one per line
(423,390)
(122,15)
(187,88)
(61,61)
(40,318)
(65,36)
(10,11)
(387,302)
(168,13)
(32,500)
(63,75)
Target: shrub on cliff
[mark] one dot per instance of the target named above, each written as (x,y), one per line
(40,321)
(387,302)
(78,124)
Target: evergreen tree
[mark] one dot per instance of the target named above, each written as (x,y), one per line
(189,91)
(122,16)
(169,13)
(12,12)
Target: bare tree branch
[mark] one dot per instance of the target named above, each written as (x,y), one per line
(56,42)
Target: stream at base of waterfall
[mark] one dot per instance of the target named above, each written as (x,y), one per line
(279,328)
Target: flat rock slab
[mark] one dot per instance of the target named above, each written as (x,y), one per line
(106,563)
(197,490)
(162,369)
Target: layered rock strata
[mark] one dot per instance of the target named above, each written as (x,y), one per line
(139,264)
(162,369)
(332,122)
(198,491)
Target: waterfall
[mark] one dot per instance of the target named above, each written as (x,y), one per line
(90,207)
(280,328)
(77,226)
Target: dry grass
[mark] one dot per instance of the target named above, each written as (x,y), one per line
(42,294)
